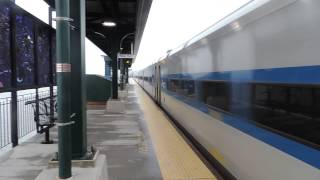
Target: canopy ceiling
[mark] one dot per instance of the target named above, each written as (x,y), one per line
(130,16)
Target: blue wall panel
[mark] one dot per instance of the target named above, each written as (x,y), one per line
(5,65)
(25,50)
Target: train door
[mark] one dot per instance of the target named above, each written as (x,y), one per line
(158,74)
(155,83)
(143,79)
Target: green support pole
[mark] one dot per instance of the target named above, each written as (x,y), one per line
(114,76)
(114,56)
(63,81)
(127,74)
(122,74)
(78,84)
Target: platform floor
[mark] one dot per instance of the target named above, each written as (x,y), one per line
(140,144)
(125,139)
(176,158)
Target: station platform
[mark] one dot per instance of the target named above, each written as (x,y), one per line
(140,144)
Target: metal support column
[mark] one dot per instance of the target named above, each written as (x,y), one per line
(64,93)
(121,74)
(114,76)
(127,73)
(14,98)
(51,72)
(14,119)
(108,65)
(78,83)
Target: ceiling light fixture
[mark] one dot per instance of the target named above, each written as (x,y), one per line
(109,24)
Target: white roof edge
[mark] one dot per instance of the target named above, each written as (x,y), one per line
(240,12)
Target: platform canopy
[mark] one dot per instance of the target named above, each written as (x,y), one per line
(129,16)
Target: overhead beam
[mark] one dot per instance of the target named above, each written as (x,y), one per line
(115,8)
(51,3)
(118,0)
(108,14)
(143,8)
(104,7)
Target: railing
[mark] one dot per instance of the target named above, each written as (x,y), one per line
(26,123)
(25,116)
(5,122)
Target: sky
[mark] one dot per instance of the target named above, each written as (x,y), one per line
(173,22)
(94,55)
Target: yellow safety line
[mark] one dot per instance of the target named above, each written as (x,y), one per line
(176,159)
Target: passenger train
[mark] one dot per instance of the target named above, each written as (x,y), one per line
(247,90)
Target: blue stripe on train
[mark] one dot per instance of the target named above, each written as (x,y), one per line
(299,151)
(300,75)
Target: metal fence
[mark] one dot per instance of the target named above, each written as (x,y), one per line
(25,116)
(5,120)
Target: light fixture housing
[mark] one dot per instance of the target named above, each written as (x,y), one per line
(109,24)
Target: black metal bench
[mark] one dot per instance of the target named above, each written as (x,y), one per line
(45,115)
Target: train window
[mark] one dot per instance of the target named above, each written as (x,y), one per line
(291,110)
(173,85)
(147,78)
(180,87)
(261,94)
(278,96)
(241,99)
(164,83)
(316,100)
(301,101)
(216,94)
(188,87)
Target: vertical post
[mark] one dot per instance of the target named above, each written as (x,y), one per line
(114,57)
(51,69)
(78,84)
(37,105)
(115,76)
(107,70)
(50,9)
(121,74)
(14,99)
(64,93)
(14,119)
(127,73)
(128,64)
(106,67)
(36,79)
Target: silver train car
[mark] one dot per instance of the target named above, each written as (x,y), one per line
(248,90)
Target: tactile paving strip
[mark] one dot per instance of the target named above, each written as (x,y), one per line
(176,159)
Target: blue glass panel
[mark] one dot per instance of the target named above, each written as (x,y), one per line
(43,53)
(25,50)
(5,65)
